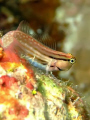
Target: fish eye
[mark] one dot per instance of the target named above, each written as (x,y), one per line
(72,60)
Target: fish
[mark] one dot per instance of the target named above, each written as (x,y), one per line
(35,51)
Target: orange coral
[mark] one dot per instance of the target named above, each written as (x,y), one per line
(16,72)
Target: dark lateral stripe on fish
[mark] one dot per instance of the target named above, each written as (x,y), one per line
(60,58)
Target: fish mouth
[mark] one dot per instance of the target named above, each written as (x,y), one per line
(59,69)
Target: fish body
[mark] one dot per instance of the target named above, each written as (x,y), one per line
(35,52)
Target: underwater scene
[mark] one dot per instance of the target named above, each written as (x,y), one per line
(44,60)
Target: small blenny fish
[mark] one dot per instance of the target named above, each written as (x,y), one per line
(38,54)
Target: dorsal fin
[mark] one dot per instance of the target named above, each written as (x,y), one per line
(44,38)
(47,40)
(24,27)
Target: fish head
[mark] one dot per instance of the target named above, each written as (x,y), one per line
(65,64)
